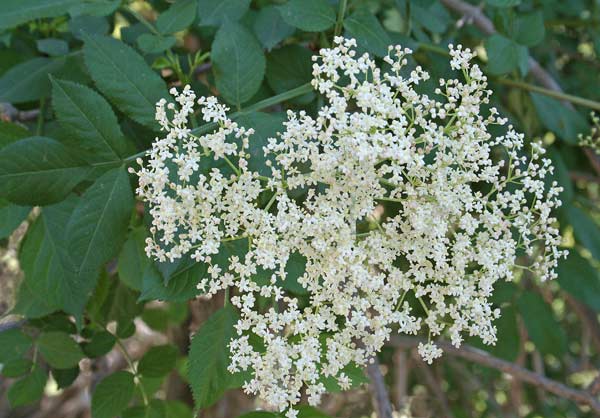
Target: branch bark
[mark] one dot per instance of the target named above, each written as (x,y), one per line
(378,391)
(481,357)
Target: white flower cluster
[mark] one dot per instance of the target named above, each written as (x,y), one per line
(464,210)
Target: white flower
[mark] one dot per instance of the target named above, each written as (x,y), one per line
(464,204)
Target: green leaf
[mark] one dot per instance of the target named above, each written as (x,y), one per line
(28,81)
(507,346)
(565,122)
(112,395)
(124,77)
(11,217)
(88,117)
(16,12)
(504,55)
(543,328)
(217,12)
(154,44)
(290,67)
(307,411)
(355,373)
(181,286)
(100,344)
(238,63)
(65,377)
(368,32)
(53,46)
(13,344)
(209,357)
(270,28)
(16,368)
(578,277)
(11,132)
(59,349)
(133,260)
(265,125)
(308,15)
(560,175)
(88,25)
(39,171)
(587,232)
(178,17)
(28,389)
(48,284)
(530,29)
(158,361)
(177,409)
(94,7)
(98,225)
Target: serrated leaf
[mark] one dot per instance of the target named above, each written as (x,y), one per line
(504,55)
(578,277)
(124,77)
(308,15)
(270,28)
(11,216)
(154,44)
(542,327)
(177,17)
(16,12)
(181,286)
(13,344)
(158,361)
(39,171)
(28,389)
(238,63)
(587,232)
(260,414)
(290,67)
(48,284)
(209,357)
(59,349)
(133,260)
(98,225)
(88,117)
(363,26)
(217,12)
(566,123)
(16,367)
(112,395)
(88,25)
(28,81)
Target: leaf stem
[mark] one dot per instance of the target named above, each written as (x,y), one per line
(39,130)
(129,361)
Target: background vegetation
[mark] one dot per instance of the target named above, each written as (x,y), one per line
(91,326)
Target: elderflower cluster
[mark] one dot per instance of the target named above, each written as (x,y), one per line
(592,140)
(464,209)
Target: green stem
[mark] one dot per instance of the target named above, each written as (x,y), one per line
(550,93)
(129,361)
(340,18)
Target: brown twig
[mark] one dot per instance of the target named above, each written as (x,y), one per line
(481,357)
(432,382)
(379,393)
(11,113)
